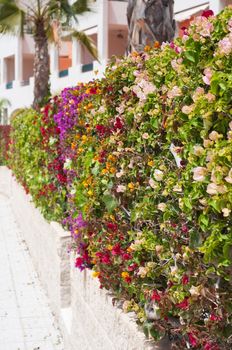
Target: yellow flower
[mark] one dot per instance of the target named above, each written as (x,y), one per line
(84,138)
(85,184)
(95,273)
(151,163)
(125,274)
(104,171)
(131,186)
(109,247)
(80,150)
(112,158)
(112,170)
(90,192)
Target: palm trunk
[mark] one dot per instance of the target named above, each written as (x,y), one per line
(41,65)
(149,21)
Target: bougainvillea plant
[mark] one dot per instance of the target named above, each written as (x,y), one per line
(146,155)
(4,143)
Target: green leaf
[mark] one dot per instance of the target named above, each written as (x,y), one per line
(190,55)
(110,202)
(195,239)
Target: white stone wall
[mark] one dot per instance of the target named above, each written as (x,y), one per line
(87,317)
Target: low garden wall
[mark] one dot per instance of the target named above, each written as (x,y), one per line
(86,314)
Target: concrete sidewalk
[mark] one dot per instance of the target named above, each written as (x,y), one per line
(26,322)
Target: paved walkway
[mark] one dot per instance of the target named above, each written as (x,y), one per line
(26,322)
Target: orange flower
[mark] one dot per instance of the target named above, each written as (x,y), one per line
(156,44)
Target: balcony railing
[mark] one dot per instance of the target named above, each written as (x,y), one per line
(63,73)
(87,67)
(9,85)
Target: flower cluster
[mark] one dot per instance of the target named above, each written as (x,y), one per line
(146,160)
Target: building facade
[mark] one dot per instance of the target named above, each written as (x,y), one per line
(106,24)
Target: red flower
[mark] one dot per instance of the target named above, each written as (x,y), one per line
(155,296)
(61,178)
(132,267)
(111,226)
(105,259)
(207,13)
(118,124)
(192,340)
(213,317)
(126,256)
(79,263)
(185,280)
(116,250)
(184,305)
(128,279)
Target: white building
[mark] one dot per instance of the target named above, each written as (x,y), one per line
(106,24)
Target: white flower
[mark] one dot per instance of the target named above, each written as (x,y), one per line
(212,189)
(145,136)
(177,188)
(121,188)
(174,270)
(230,125)
(68,163)
(199,173)
(158,175)
(198,150)
(208,143)
(226,212)
(229,177)
(203,201)
(175,92)
(214,136)
(187,109)
(162,206)
(120,174)
(195,291)
(153,184)
(142,272)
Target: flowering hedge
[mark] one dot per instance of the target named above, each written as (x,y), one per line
(35,160)
(4,143)
(141,161)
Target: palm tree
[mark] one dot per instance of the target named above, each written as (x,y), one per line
(47,20)
(149,21)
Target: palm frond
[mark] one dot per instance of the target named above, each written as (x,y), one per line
(86,42)
(80,6)
(11,16)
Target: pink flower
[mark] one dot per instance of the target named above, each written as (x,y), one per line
(192,340)
(207,76)
(211,346)
(225,46)
(213,317)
